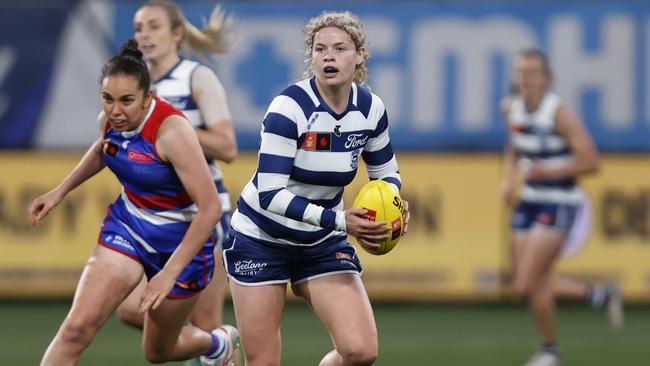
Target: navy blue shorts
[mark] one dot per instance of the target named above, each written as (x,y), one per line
(551,215)
(251,262)
(194,278)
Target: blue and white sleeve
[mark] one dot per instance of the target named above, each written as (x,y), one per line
(378,153)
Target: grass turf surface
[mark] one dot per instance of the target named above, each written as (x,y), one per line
(410,334)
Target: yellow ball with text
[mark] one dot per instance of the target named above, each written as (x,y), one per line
(383,203)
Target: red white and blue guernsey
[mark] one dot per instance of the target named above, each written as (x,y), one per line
(289,221)
(153,212)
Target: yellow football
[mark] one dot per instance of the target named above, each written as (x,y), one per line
(383,203)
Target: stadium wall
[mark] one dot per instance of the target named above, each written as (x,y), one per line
(440,66)
(456,249)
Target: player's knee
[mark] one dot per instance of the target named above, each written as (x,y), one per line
(359,358)
(77,333)
(360,355)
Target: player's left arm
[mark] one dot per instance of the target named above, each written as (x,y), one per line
(177,143)
(381,162)
(586,159)
(379,156)
(218,140)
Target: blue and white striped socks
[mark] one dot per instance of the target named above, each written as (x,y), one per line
(218,346)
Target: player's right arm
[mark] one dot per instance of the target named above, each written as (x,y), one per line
(90,164)
(509,160)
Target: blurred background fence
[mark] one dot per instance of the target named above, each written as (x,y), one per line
(441,69)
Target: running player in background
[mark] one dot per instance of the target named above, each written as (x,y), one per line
(552,148)
(161,224)
(162,31)
(290,225)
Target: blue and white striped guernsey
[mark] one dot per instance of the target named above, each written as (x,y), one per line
(308,154)
(176,88)
(533,135)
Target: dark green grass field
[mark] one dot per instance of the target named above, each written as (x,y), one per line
(410,334)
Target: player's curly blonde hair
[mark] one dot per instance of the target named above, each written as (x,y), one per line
(214,38)
(346,21)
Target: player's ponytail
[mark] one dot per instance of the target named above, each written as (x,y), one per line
(128,62)
(215,37)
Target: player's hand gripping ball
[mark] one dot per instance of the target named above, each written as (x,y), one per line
(383,203)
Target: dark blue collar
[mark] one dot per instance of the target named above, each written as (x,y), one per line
(324,107)
(168,73)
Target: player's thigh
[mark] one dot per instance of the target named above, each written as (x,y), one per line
(519,242)
(258,310)
(341,303)
(540,252)
(106,280)
(208,311)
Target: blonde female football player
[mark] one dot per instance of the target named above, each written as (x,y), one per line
(552,148)
(162,32)
(159,226)
(290,226)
